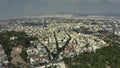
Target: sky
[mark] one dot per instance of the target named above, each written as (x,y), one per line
(11,8)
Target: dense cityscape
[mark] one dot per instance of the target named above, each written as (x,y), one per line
(60,41)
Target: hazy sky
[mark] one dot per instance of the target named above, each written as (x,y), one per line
(9,8)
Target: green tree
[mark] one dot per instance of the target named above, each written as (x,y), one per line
(24,55)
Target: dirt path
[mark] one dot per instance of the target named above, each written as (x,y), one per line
(17,60)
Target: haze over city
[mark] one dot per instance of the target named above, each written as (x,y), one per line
(18,8)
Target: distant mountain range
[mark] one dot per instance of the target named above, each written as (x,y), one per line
(106,14)
(75,14)
(98,14)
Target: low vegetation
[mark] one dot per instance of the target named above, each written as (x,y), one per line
(107,57)
(22,39)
